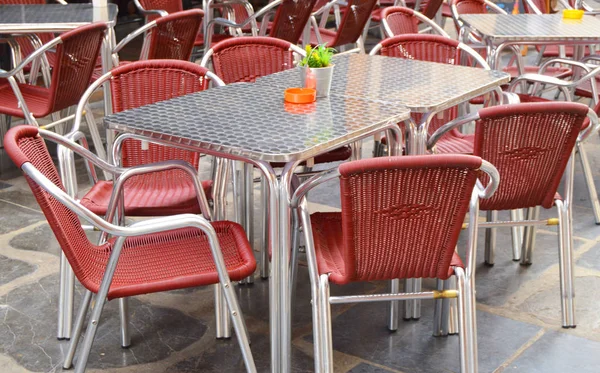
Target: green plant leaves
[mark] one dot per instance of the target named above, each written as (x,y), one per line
(319,56)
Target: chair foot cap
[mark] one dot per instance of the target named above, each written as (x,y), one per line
(526,264)
(488,264)
(569,326)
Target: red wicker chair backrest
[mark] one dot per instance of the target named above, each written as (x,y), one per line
(174,35)
(75,61)
(401,20)
(169,6)
(401,216)
(290,18)
(146,82)
(23,144)
(248,58)
(430,48)
(530,145)
(431,8)
(358,12)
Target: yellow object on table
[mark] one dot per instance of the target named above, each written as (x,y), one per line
(573,13)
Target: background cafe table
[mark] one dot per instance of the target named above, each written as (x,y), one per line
(499,31)
(423,87)
(251,123)
(57,18)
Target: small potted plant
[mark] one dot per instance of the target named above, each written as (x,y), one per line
(317,69)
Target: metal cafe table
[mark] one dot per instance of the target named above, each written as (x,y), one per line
(423,87)
(499,31)
(57,18)
(251,123)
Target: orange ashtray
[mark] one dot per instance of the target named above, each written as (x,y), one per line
(300,95)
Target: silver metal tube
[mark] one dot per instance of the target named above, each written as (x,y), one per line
(450,325)
(394,306)
(264,232)
(567,285)
(124,317)
(462,321)
(248,194)
(69,292)
(218,311)
(529,236)
(407,309)
(490,238)
(380,297)
(325,310)
(61,297)
(516,234)
(438,311)
(85,305)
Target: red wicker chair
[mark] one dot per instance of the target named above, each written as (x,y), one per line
(171,37)
(151,256)
(354,20)
(531,145)
(76,55)
(160,193)
(378,236)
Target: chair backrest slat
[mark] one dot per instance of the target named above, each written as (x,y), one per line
(401,216)
(530,145)
(169,6)
(353,22)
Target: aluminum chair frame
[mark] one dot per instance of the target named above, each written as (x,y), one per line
(431,25)
(28,116)
(564,221)
(322,300)
(137,229)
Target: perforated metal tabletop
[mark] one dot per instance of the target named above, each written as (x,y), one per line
(534,27)
(420,86)
(53,17)
(253,121)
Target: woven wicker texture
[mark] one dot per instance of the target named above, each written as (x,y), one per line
(530,145)
(174,35)
(160,193)
(290,19)
(430,8)
(158,262)
(401,217)
(246,59)
(75,61)
(401,20)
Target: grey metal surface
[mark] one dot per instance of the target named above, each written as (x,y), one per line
(253,121)
(420,86)
(534,27)
(53,17)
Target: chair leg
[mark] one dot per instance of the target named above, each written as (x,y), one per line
(394,306)
(490,238)
(231,303)
(467,334)
(294,259)
(589,181)
(567,277)
(533,213)
(516,234)
(85,305)
(445,317)
(325,318)
(93,127)
(90,332)
(264,247)
(124,316)
(61,296)
(222,321)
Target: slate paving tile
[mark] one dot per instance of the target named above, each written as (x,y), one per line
(11,269)
(14,217)
(557,352)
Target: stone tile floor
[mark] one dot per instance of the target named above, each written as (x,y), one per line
(518,309)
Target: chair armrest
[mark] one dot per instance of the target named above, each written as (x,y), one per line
(149,12)
(312,182)
(36,54)
(434,138)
